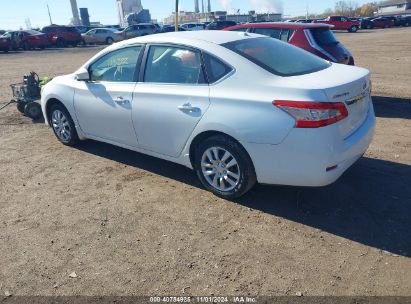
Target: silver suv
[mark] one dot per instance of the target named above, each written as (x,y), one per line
(138,30)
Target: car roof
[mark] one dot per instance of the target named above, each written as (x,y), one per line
(215,37)
(290,25)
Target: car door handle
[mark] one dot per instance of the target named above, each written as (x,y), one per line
(121,101)
(188,108)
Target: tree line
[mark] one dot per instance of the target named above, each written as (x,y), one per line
(348,9)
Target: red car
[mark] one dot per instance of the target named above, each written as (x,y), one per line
(5,44)
(341,23)
(314,38)
(383,22)
(28,40)
(62,35)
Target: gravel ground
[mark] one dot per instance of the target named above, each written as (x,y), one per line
(129,224)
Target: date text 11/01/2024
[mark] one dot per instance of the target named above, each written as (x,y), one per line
(234,299)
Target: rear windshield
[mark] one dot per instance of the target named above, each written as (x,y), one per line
(277,57)
(323,36)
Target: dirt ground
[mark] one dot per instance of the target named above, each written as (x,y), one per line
(129,224)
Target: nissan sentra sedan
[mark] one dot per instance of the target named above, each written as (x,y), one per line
(238,108)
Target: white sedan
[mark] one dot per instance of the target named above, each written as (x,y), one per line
(238,108)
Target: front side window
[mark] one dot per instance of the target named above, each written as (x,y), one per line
(117,66)
(276,57)
(169,64)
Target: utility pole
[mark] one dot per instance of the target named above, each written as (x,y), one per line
(48,8)
(176,20)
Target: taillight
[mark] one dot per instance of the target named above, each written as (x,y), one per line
(310,114)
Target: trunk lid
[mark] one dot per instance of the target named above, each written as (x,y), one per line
(340,83)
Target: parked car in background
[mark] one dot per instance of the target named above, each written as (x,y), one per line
(395,19)
(366,23)
(305,20)
(26,40)
(405,21)
(5,44)
(101,36)
(193,26)
(341,23)
(219,25)
(62,36)
(171,28)
(382,22)
(137,30)
(237,109)
(313,37)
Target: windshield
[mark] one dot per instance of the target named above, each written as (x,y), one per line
(278,57)
(323,36)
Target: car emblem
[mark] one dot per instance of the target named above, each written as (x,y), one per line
(341,95)
(356,99)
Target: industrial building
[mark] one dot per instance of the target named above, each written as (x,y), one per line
(132,11)
(76,17)
(394,7)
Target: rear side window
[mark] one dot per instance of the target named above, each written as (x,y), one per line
(270,32)
(324,36)
(276,57)
(215,68)
(284,35)
(169,64)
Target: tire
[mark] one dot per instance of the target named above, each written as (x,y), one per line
(25,46)
(229,174)
(109,40)
(353,29)
(369,26)
(20,107)
(61,43)
(63,125)
(33,110)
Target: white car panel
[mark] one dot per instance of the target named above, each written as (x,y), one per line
(160,111)
(155,122)
(103,110)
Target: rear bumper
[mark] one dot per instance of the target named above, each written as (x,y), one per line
(303,157)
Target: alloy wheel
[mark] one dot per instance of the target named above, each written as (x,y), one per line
(61,125)
(220,169)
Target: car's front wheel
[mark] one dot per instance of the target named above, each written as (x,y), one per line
(224,167)
(62,125)
(353,29)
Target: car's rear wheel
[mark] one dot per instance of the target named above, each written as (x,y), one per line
(353,29)
(62,125)
(61,42)
(109,40)
(224,167)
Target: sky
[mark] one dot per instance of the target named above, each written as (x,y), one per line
(15,12)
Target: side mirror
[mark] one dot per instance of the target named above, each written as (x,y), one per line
(82,75)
